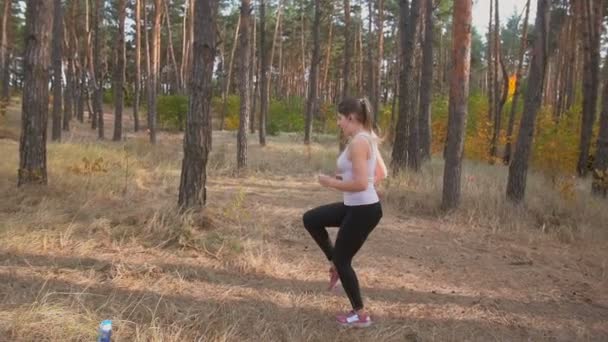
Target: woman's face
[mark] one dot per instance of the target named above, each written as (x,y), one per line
(345,122)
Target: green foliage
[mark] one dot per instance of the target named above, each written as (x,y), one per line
(108,97)
(172,111)
(286,115)
(233,105)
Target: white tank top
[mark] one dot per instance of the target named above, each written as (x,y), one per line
(345,167)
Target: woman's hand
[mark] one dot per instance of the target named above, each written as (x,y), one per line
(326,180)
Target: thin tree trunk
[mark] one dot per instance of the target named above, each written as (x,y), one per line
(459,94)
(516,185)
(119,71)
(328,61)
(505,79)
(229,77)
(413,153)
(274,40)
(98,70)
(518,76)
(253,71)
(192,190)
(34,105)
(68,108)
(490,61)
(370,54)
(426,84)
(57,52)
(263,75)
(314,65)
(176,73)
(347,50)
(4,57)
(137,83)
(154,67)
(244,85)
(600,165)
(591,38)
(379,62)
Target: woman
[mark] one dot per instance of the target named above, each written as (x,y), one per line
(360,166)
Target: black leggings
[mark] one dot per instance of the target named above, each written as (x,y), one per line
(355,222)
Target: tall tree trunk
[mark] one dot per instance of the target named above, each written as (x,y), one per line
(244,85)
(303,45)
(347,50)
(490,61)
(185,44)
(459,95)
(379,62)
(229,77)
(253,71)
(516,185)
(360,58)
(154,67)
(119,71)
(406,46)
(68,95)
(274,41)
(600,165)
(57,54)
(518,76)
(98,69)
(34,106)
(137,83)
(4,57)
(192,190)
(413,153)
(426,83)
(371,70)
(176,73)
(327,63)
(314,73)
(500,102)
(591,37)
(263,75)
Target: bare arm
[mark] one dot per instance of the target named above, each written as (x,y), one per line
(381,171)
(359,152)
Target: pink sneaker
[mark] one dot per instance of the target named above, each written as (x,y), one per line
(353,319)
(333,279)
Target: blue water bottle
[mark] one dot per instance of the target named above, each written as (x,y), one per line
(105,331)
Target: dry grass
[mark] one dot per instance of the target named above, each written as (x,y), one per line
(110,245)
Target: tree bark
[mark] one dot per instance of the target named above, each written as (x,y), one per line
(591,43)
(600,164)
(34,117)
(516,185)
(98,69)
(426,83)
(192,190)
(458,103)
(379,62)
(347,50)
(518,76)
(263,76)
(57,52)
(244,85)
(406,46)
(119,71)
(229,77)
(153,72)
(4,57)
(171,52)
(413,153)
(137,82)
(314,74)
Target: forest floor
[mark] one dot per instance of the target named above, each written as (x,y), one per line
(107,243)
